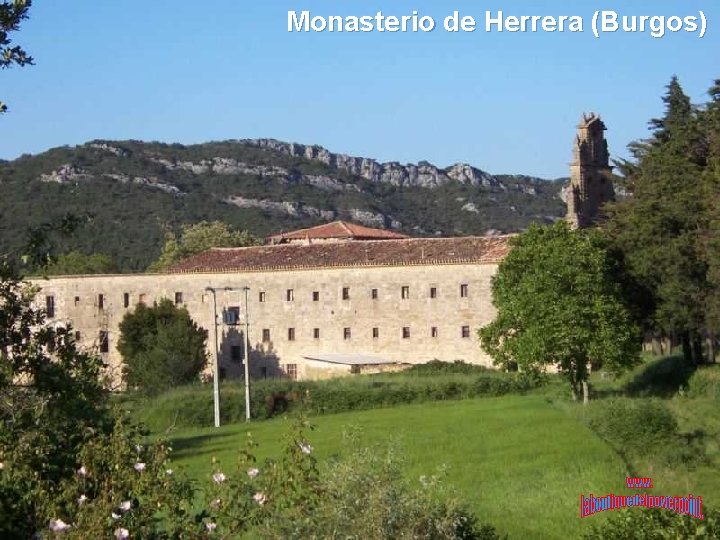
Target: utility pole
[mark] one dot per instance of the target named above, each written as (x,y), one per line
(216,374)
(246,355)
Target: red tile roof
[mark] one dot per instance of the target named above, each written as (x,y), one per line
(338,230)
(410,251)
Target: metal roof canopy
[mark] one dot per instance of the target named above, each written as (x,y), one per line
(350,359)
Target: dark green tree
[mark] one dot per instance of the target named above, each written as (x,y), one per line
(11,15)
(76,263)
(659,227)
(197,238)
(561,303)
(161,347)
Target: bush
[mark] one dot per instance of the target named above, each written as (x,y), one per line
(437,367)
(651,524)
(705,382)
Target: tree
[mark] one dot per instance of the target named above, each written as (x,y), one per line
(561,303)
(161,347)
(76,263)
(659,228)
(11,15)
(198,238)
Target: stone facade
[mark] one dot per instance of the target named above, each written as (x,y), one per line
(590,174)
(410,313)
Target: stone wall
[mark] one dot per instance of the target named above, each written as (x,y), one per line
(77,300)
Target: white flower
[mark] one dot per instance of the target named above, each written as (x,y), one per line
(115,516)
(219,478)
(139,448)
(82,471)
(305,448)
(125,506)
(210,526)
(169,472)
(58,525)
(260,498)
(122,534)
(82,499)
(2,465)
(253,472)
(139,467)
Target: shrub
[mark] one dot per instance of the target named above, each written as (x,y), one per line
(438,367)
(651,524)
(705,382)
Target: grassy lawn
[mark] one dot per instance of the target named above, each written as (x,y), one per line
(520,463)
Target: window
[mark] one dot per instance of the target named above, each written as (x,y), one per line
(291,370)
(291,334)
(355,370)
(261,296)
(433,292)
(231,316)
(346,293)
(376,333)
(266,335)
(104,341)
(126,300)
(405,292)
(77,300)
(465,331)
(434,332)
(347,334)
(263,372)
(374,294)
(50,306)
(178,298)
(236,353)
(316,333)
(316,296)
(101,301)
(406,332)
(141,298)
(463,290)
(290,295)
(77,335)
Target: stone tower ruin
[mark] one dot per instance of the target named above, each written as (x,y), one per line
(590,174)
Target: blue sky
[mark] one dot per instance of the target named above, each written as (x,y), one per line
(181,71)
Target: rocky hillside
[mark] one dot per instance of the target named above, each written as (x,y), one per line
(133,191)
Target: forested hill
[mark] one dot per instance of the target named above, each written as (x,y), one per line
(134,191)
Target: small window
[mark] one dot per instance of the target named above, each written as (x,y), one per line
(316,333)
(231,316)
(290,295)
(316,296)
(291,370)
(266,335)
(261,296)
(465,331)
(104,341)
(291,334)
(374,294)
(126,300)
(141,298)
(405,292)
(376,333)
(77,301)
(406,332)
(77,335)
(463,290)
(236,354)
(50,306)
(346,293)
(101,301)
(178,298)
(433,292)
(434,332)
(355,370)
(347,334)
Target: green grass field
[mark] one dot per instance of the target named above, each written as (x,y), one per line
(520,463)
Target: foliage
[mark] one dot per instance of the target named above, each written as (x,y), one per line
(666,230)
(11,15)
(561,303)
(655,524)
(660,377)
(191,406)
(705,382)
(198,238)
(438,367)
(161,347)
(76,263)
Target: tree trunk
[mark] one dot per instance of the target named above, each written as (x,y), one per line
(711,347)
(698,350)
(586,392)
(686,347)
